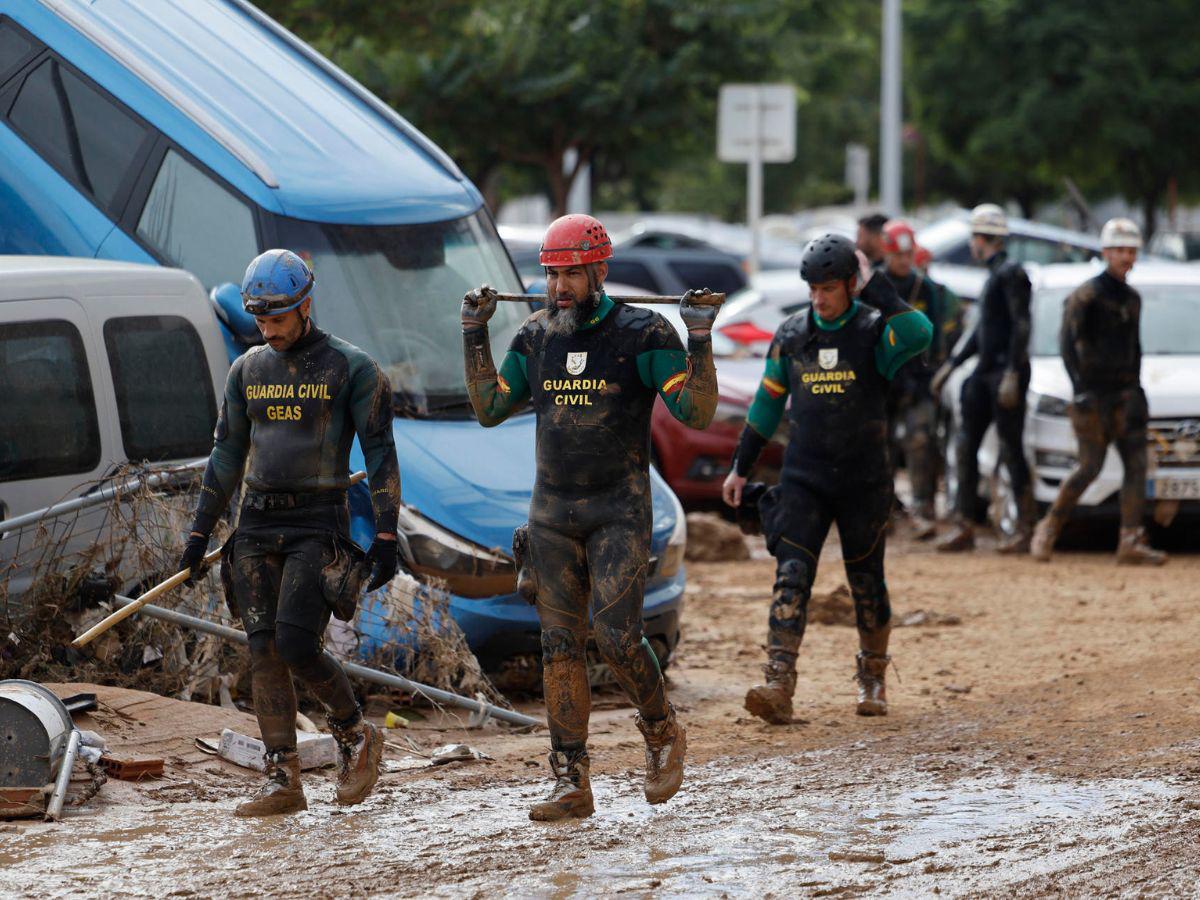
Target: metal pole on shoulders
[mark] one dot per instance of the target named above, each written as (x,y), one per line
(359,671)
(701,300)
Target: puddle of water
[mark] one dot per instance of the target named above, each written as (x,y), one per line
(738,831)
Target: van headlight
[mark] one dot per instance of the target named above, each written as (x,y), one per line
(672,557)
(1049,405)
(469,570)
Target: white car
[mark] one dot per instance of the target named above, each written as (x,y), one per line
(750,317)
(1170,376)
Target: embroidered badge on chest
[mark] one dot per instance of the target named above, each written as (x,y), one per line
(576,363)
(827,357)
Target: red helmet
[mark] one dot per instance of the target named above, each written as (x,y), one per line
(922,257)
(575,240)
(898,237)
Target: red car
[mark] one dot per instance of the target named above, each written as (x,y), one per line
(695,463)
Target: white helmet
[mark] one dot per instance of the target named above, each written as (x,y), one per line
(1120,233)
(988,218)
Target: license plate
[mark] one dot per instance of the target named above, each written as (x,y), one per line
(1173,488)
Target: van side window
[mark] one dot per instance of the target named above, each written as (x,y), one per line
(15,48)
(78,130)
(163,385)
(627,271)
(49,426)
(197,224)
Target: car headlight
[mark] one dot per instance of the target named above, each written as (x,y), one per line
(468,569)
(672,557)
(1049,405)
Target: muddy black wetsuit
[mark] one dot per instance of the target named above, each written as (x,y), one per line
(290,418)
(589,537)
(836,467)
(914,401)
(1001,340)
(1102,352)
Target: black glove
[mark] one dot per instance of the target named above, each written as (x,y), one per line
(384,563)
(698,317)
(477,307)
(193,556)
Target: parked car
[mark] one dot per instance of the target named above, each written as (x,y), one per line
(666,231)
(1183,246)
(675,271)
(750,317)
(197,135)
(1170,335)
(101,364)
(949,242)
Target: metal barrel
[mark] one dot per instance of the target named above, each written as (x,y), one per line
(35,728)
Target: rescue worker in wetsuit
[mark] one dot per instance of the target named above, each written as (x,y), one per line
(869,238)
(292,408)
(592,369)
(995,391)
(914,401)
(1102,352)
(835,359)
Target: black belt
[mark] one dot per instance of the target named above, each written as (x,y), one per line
(266,501)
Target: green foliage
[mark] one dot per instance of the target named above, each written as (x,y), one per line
(1013,95)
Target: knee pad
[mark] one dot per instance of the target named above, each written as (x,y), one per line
(617,645)
(560,645)
(297,646)
(871,605)
(793,586)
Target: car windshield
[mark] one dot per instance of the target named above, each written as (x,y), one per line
(395,291)
(1170,319)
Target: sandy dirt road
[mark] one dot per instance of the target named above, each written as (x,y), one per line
(1046,745)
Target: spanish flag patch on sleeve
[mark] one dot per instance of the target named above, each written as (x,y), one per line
(503,385)
(774,388)
(674,383)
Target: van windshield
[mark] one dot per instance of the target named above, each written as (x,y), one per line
(395,291)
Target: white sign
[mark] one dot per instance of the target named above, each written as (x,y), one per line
(758,117)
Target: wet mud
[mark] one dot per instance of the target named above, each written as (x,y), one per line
(1042,745)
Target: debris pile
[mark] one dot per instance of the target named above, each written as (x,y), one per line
(712,539)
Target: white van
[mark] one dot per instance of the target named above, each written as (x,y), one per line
(101,363)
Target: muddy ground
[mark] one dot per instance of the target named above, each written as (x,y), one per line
(1045,745)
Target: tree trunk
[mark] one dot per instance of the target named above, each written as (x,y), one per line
(1150,214)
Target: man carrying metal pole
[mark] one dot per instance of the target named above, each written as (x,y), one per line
(995,392)
(1102,353)
(291,411)
(835,359)
(592,369)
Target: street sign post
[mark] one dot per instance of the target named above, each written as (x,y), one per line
(756,124)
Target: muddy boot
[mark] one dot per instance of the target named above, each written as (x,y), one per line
(1019,540)
(360,748)
(1045,536)
(872,689)
(666,744)
(772,701)
(1133,550)
(571,796)
(282,793)
(959,540)
(924,522)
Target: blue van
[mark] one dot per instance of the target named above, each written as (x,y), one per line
(198,134)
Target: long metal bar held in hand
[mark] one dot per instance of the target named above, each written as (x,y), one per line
(358,671)
(699,299)
(157,591)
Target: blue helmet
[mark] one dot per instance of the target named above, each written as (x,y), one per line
(275,282)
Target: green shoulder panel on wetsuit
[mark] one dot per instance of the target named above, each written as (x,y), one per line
(906,335)
(770,400)
(689,393)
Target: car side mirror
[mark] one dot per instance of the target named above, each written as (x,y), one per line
(227,301)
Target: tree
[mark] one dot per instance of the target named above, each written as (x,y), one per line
(1013,95)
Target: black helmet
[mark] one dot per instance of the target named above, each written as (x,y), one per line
(830,257)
